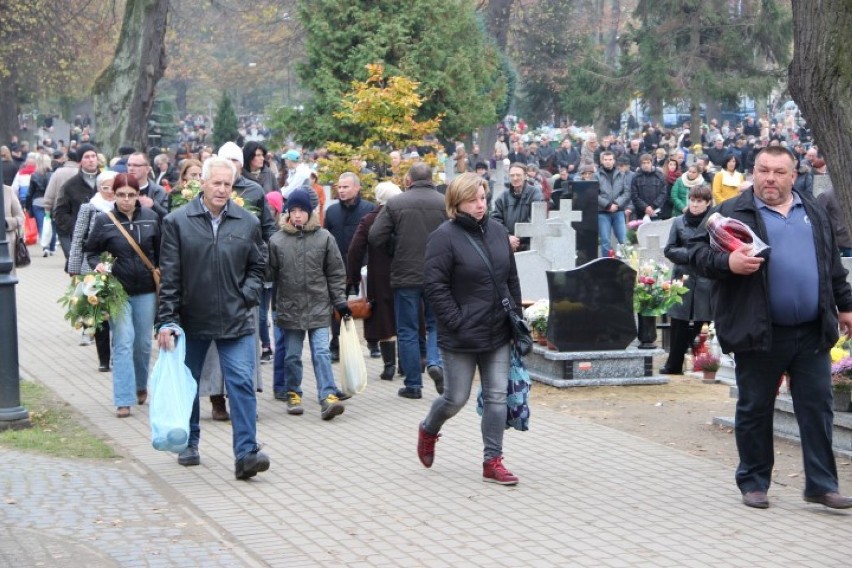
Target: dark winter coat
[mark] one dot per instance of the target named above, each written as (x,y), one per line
(160,197)
(460,289)
(74,193)
(308,270)
(696,302)
(382,324)
(253,194)
(210,284)
(648,188)
(565,158)
(128,268)
(407,220)
(342,220)
(741,303)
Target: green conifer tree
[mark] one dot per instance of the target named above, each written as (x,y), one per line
(225,125)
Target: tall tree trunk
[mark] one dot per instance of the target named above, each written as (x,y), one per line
(124,92)
(9,106)
(820,80)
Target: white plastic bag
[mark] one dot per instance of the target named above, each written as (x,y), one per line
(173,392)
(46,232)
(354,379)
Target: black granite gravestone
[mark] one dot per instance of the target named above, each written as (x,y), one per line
(591,307)
(585,199)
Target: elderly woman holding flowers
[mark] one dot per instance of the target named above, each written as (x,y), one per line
(130,233)
(101,202)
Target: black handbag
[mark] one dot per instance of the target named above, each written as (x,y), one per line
(22,254)
(521,332)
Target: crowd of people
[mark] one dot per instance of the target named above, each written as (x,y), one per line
(261,237)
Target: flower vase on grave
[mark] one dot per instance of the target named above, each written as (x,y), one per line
(647,331)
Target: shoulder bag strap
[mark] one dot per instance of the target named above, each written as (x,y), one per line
(507,303)
(132,242)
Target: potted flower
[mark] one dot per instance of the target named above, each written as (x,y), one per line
(536,315)
(841,384)
(653,294)
(708,364)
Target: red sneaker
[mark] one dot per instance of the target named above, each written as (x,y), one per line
(493,471)
(426,446)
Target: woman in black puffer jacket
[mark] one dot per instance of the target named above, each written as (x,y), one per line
(473,328)
(133,329)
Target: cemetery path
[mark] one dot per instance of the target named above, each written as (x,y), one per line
(679,415)
(597,489)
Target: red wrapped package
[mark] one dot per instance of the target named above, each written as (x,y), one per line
(728,235)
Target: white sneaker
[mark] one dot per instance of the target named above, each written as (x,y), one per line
(85,339)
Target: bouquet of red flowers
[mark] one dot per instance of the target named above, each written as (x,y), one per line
(728,235)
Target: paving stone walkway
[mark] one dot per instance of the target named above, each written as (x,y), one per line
(351,492)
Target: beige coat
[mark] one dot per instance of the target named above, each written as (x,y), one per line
(14,216)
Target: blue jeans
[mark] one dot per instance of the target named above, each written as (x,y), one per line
(320,359)
(794,349)
(132,335)
(458,378)
(279,371)
(237,358)
(407,304)
(38,213)
(608,222)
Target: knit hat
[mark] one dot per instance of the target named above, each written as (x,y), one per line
(385,191)
(299,198)
(231,151)
(83,148)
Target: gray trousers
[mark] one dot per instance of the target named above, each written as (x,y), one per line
(459,369)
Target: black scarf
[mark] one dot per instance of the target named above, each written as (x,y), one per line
(694,220)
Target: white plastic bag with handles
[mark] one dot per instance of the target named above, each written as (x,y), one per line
(354,379)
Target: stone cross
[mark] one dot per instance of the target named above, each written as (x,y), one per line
(538,229)
(654,251)
(562,250)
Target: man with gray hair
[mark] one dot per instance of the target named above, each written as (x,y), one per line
(213,260)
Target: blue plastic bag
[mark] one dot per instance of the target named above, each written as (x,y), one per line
(173,392)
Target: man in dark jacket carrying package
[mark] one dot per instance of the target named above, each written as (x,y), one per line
(779,315)
(213,260)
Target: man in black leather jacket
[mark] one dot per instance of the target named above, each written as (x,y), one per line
(213,260)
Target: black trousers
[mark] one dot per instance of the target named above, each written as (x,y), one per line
(102,343)
(682,335)
(795,350)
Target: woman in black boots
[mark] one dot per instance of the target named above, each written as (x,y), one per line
(687,318)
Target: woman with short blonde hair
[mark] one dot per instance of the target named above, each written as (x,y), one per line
(467,295)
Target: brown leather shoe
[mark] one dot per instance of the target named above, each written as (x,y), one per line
(220,412)
(833,500)
(141,397)
(756,499)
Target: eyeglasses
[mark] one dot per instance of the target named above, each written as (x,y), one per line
(105,188)
(126,195)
